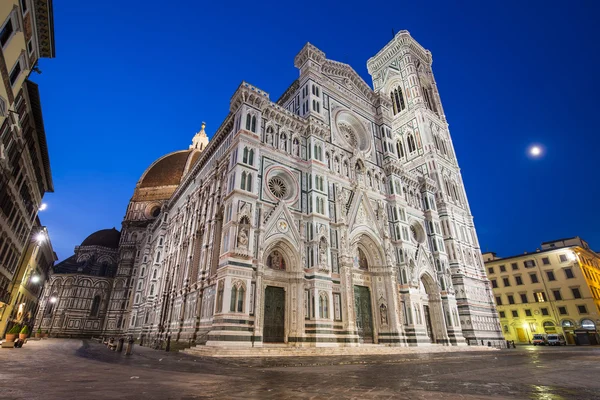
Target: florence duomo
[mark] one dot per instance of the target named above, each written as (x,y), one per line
(246,201)
(334,216)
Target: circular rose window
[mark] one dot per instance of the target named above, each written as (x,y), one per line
(352,131)
(417,233)
(277,187)
(348,133)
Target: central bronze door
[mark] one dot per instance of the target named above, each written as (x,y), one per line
(274,322)
(428,323)
(362,306)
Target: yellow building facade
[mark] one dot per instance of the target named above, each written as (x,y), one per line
(28,283)
(555,289)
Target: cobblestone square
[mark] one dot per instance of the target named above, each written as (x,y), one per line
(74,369)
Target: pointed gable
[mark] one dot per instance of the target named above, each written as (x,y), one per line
(362,214)
(281,224)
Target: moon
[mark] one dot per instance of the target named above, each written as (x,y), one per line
(535,151)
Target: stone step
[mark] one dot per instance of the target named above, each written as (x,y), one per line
(373,349)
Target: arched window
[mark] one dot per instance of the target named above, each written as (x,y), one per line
(443,143)
(237,298)
(400,149)
(245,156)
(411,143)
(151,290)
(95,306)
(248,121)
(158,257)
(323,305)
(243,182)
(397,100)
(220,297)
(454,192)
(318,153)
(436,142)
(251,157)
(253,127)
(249,183)
(154,274)
(49,307)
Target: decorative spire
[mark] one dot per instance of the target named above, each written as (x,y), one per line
(200,140)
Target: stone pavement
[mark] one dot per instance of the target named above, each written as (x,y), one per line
(74,369)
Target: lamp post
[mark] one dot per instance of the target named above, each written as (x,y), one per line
(52,300)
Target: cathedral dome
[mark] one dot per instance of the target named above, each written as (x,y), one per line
(104,237)
(161,179)
(167,170)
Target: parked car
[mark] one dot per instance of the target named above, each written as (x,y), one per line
(539,339)
(556,340)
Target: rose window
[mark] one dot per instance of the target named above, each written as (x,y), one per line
(278,187)
(417,233)
(348,133)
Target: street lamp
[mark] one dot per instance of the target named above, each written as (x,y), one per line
(35,278)
(52,300)
(40,237)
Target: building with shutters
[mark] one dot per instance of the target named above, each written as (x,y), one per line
(26,35)
(553,290)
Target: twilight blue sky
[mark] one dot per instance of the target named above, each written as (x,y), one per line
(133,80)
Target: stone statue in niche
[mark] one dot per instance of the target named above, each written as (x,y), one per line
(383,314)
(242,240)
(379,210)
(296,148)
(323,252)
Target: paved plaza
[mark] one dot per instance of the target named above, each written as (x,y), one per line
(74,369)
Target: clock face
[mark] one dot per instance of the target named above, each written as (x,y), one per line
(282,225)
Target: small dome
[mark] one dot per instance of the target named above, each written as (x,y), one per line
(167,171)
(105,238)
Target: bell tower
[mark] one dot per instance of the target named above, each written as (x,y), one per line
(402,73)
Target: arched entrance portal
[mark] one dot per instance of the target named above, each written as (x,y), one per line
(279,317)
(432,309)
(365,257)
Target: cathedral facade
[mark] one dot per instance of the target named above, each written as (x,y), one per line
(334,216)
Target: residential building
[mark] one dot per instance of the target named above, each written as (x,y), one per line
(334,216)
(29,281)
(555,289)
(26,35)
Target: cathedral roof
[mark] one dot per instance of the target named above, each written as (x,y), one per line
(104,237)
(162,178)
(166,171)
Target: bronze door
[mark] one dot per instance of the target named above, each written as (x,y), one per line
(274,322)
(362,306)
(428,323)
